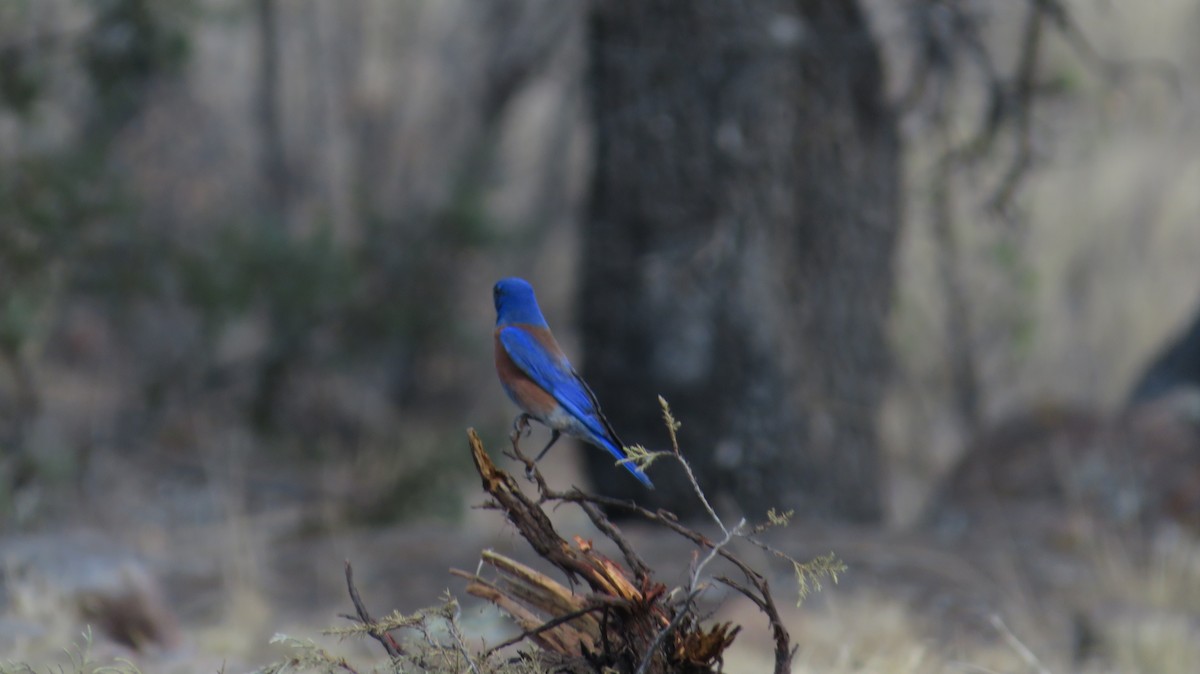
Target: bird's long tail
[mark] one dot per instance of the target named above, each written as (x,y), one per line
(619,453)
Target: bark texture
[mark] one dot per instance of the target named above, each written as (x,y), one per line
(739,247)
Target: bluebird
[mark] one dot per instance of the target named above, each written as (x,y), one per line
(537,376)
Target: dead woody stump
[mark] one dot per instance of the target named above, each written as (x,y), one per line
(613,617)
(627,617)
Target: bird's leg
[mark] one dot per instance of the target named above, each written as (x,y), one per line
(553,439)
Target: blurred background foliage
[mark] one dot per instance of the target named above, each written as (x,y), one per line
(283,219)
(242,307)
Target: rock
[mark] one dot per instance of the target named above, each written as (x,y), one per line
(1138,467)
(60,581)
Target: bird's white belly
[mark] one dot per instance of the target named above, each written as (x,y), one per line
(561,420)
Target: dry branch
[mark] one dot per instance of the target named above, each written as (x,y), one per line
(642,628)
(637,612)
(624,621)
(389,643)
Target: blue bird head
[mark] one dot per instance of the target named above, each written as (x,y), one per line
(515,303)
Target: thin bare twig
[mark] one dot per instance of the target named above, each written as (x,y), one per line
(1113,72)
(639,567)
(389,643)
(1022,650)
(766,603)
(452,620)
(1021,109)
(672,427)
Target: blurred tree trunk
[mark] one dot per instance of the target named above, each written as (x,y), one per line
(270,114)
(738,251)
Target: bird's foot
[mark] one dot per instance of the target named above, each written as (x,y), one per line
(521,427)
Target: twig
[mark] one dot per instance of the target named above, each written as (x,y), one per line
(639,567)
(1021,649)
(696,487)
(672,427)
(1021,108)
(729,536)
(783,649)
(389,643)
(452,620)
(1113,72)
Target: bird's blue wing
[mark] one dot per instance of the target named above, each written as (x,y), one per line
(553,372)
